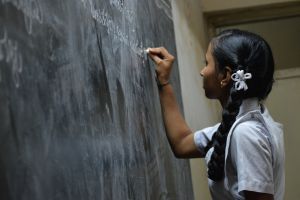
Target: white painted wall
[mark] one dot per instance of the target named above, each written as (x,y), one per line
(191,47)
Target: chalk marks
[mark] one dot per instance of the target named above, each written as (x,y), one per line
(119,3)
(2,41)
(165,5)
(30,8)
(9,53)
(123,8)
(103,18)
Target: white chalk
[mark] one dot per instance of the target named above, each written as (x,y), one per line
(145,52)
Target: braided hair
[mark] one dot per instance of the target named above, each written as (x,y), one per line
(239,50)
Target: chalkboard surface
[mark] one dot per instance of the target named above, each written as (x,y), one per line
(80,115)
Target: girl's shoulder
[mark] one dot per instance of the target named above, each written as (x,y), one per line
(258,122)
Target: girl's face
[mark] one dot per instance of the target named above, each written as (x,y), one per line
(211,77)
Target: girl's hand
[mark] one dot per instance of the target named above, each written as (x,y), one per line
(163,60)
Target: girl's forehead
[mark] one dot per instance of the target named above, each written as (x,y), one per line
(209,51)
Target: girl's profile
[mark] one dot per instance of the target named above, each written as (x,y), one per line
(244,153)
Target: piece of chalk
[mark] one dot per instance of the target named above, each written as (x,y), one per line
(147,50)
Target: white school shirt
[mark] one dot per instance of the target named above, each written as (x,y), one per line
(254,154)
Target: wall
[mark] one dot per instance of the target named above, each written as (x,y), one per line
(191,42)
(283,104)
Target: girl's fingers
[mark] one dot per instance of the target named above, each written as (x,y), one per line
(155,58)
(154,50)
(163,61)
(161,52)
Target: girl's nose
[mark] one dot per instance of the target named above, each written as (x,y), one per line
(201,72)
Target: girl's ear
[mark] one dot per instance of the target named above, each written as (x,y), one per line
(226,77)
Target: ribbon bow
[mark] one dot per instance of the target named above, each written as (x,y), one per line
(240,77)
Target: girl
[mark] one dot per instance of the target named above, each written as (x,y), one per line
(244,153)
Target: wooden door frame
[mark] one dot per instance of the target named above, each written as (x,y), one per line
(281,74)
(217,19)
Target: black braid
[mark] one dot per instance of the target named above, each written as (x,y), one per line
(216,163)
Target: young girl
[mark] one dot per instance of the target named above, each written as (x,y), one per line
(244,153)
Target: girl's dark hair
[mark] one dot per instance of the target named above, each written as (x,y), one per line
(239,50)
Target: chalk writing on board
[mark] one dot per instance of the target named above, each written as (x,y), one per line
(80,115)
(31,10)
(121,6)
(103,18)
(165,5)
(9,53)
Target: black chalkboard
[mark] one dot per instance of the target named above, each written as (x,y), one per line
(80,115)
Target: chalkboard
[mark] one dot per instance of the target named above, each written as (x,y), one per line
(80,116)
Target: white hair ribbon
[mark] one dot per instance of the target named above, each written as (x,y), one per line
(240,78)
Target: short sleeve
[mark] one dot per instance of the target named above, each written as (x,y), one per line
(202,137)
(251,155)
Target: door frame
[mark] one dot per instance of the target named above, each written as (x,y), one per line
(281,74)
(268,12)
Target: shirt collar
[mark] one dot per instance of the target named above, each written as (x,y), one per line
(248,105)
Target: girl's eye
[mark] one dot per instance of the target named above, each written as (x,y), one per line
(205,62)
